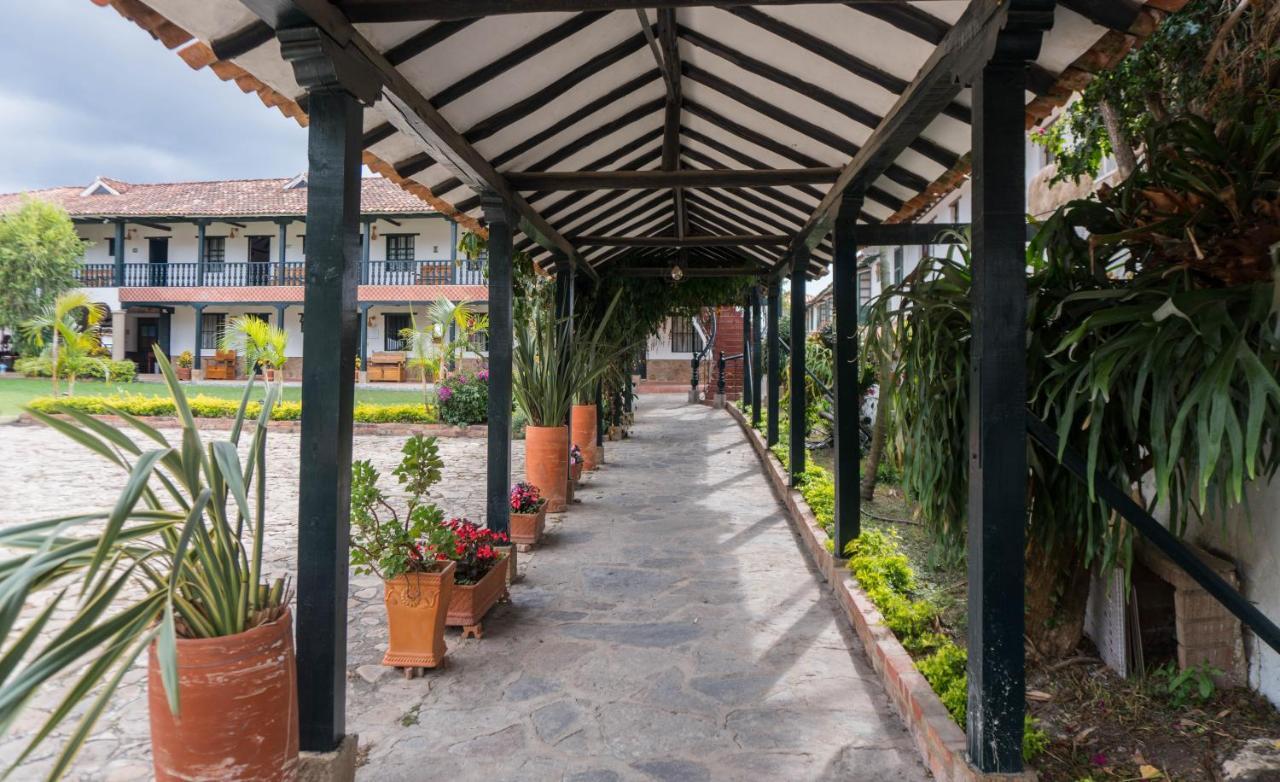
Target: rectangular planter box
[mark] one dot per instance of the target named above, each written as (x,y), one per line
(470,602)
(527,528)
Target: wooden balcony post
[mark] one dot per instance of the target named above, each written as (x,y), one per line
(282,239)
(757,371)
(119,255)
(201,225)
(775,363)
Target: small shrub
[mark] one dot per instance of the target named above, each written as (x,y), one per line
(1194,683)
(121,371)
(945,672)
(213,407)
(1034,740)
(464,399)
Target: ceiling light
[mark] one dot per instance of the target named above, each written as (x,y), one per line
(677,274)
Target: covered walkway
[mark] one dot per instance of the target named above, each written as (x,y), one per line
(670,629)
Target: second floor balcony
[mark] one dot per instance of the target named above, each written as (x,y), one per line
(261,274)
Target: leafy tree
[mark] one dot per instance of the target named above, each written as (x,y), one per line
(39,255)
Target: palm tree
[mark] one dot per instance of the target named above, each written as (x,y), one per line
(424,351)
(78,334)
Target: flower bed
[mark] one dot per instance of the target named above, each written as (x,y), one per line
(212,407)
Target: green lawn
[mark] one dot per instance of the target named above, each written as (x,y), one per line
(15,392)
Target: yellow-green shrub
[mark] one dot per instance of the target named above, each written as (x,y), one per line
(213,407)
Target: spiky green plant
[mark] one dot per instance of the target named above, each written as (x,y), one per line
(259,343)
(555,360)
(179,555)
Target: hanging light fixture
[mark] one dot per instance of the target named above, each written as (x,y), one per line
(677,274)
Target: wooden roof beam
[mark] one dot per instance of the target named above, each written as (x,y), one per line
(382,11)
(740,240)
(412,112)
(966,46)
(607,180)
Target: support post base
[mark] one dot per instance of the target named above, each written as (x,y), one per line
(336,766)
(693,396)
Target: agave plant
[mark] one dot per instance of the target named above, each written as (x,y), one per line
(179,555)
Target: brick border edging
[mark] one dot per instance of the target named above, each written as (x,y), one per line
(938,739)
(222,424)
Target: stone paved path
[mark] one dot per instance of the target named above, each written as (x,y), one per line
(670,629)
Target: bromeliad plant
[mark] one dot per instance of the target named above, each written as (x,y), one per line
(384,543)
(179,555)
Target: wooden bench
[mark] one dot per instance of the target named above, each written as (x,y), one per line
(222,366)
(386,368)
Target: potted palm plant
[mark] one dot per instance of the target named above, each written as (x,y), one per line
(402,551)
(173,569)
(547,377)
(262,345)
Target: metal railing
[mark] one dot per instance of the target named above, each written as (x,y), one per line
(271,273)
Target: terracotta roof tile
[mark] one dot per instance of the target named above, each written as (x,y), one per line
(224,198)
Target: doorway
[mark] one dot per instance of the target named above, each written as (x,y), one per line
(148,338)
(158,258)
(259,260)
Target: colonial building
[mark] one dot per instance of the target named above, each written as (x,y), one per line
(174,262)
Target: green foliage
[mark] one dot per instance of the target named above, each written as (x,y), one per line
(105,369)
(464,399)
(946,674)
(1194,684)
(256,342)
(1168,75)
(1034,740)
(382,542)
(178,555)
(212,407)
(66,331)
(818,488)
(1152,343)
(39,256)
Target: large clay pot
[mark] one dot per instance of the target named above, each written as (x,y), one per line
(546,463)
(238,716)
(583,419)
(416,607)
(575,472)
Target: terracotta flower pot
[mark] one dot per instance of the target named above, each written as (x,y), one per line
(470,602)
(238,715)
(583,420)
(575,472)
(546,463)
(416,606)
(184,373)
(526,528)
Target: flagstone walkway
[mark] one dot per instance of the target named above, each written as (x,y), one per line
(671,630)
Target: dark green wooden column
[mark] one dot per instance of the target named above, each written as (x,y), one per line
(119,259)
(201,225)
(848,403)
(775,363)
(998,395)
(282,239)
(195,354)
(364,337)
(799,274)
(499,221)
(366,245)
(324,496)
(756,370)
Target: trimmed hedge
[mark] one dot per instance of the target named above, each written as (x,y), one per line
(121,371)
(213,407)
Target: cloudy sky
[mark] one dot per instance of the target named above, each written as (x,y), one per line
(84,92)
